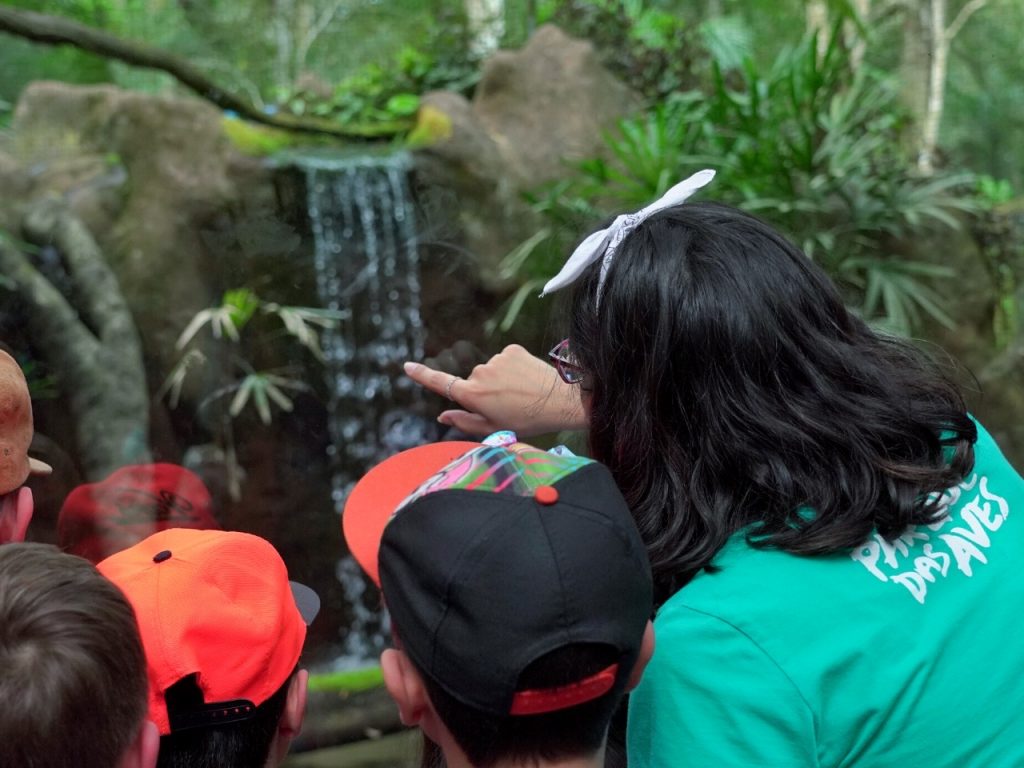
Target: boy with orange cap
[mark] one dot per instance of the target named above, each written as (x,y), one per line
(223,629)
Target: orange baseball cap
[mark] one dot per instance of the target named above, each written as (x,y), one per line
(15,428)
(216,605)
(379,493)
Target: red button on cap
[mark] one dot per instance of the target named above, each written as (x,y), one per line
(546,494)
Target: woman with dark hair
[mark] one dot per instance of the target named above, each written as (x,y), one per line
(830,531)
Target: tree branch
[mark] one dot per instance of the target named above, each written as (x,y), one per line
(49,222)
(53,30)
(315,30)
(53,322)
(961,18)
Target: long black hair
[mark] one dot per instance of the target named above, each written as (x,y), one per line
(733,390)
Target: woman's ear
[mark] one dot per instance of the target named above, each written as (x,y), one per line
(404,685)
(646,652)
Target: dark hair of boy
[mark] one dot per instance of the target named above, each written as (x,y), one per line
(72,671)
(554,736)
(241,744)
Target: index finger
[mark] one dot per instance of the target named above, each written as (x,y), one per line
(434,380)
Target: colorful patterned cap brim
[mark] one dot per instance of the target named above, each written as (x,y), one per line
(493,557)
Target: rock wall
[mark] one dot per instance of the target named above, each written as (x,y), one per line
(146,175)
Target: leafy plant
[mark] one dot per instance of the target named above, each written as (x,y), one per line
(810,145)
(240,325)
(1001,246)
(728,40)
(993,192)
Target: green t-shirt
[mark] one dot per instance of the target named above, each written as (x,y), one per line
(901,654)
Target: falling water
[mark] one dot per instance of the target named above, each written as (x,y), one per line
(367,268)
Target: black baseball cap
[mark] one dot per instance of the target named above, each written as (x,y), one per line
(490,557)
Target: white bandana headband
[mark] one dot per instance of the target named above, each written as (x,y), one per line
(604,242)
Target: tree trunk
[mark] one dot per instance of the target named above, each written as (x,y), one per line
(94,346)
(936,86)
(334,719)
(941,38)
(915,67)
(486,23)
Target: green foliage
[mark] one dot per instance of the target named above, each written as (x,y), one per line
(227,323)
(983,123)
(260,389)
(22,62)
(997,231)
(650,48)
(809,145)
(41,384)
(347,681)
(241,329)
(994,192)
(362,62)
(389,94)
(728,40)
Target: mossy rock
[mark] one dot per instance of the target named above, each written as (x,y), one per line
(256,140)
(347,681)
(432,127)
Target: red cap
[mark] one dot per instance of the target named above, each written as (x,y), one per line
(100,519)
(218,605)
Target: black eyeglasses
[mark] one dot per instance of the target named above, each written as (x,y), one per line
(565,363)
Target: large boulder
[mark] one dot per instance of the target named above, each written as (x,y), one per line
(144,173)
(549,103)
(534,111)
(468,197)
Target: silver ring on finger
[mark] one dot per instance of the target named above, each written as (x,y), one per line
(448,389)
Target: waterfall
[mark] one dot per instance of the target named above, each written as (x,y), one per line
(367,268)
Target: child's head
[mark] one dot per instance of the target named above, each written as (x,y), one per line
(519,592)
(73,685)
(223,630)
